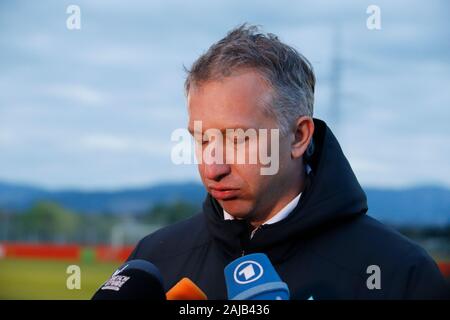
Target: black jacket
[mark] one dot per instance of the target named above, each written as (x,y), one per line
(322,249)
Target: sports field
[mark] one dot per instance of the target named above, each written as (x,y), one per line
(46,279)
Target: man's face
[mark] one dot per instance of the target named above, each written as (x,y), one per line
(232,103)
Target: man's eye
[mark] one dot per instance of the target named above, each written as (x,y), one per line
(239,140)
(201,142)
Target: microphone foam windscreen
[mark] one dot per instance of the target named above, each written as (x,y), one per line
(185,289)
(136,279)
(253,277)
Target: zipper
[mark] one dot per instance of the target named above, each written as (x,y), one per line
(252,234)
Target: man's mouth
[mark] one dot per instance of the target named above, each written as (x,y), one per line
(224,193)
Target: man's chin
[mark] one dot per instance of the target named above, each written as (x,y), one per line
(238,208)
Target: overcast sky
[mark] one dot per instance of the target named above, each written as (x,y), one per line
(94,108)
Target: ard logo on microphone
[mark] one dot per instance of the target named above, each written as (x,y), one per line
(248,271)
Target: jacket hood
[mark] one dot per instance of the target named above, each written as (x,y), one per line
(332,196)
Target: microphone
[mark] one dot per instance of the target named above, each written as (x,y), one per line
(253,277)
(185,289)
(134,280)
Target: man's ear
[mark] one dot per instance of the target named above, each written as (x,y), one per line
(303,132)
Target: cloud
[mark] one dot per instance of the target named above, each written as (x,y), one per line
(75,92)
(6,138)
(120,144)
(96,107)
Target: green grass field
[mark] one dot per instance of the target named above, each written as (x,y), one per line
(30,279)
(46,279)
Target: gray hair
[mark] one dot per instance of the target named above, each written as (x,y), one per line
(288,72)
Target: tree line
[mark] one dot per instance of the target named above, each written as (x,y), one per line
(47,221)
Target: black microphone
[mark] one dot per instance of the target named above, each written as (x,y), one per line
(134,280)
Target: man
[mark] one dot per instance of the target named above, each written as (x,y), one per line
(309,217)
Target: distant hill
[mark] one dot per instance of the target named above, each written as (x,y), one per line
(427,205)
(127,201)
(424,206)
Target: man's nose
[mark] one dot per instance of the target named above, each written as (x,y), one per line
(216,171)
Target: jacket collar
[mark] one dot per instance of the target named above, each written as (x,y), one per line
(332,195)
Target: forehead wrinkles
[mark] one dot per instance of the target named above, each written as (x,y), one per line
(264,98)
